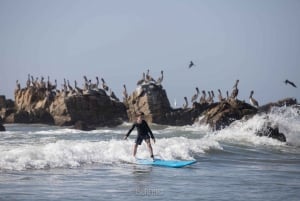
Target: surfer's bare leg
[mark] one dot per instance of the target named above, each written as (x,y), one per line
(135,146)
(150,148)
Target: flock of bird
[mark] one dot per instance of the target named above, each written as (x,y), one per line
(209,99)
(68,90)
(204,99)
(96,88)
(147,78)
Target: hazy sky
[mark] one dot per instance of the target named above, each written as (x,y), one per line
(255,41)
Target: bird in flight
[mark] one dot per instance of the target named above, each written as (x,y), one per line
(291,83)
(191,64)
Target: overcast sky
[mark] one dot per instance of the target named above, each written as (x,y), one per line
(255,41)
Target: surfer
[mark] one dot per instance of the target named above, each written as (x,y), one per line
(143,133)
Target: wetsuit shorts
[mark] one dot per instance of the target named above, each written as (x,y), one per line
(139,139)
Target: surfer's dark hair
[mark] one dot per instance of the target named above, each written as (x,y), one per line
(140,114)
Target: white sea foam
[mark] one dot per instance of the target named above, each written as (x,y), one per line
(288,120)
(71,154)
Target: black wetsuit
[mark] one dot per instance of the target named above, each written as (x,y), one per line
(143,131)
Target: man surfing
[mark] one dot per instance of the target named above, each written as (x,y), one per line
(143,133)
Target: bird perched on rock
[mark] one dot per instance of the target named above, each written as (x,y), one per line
(113,95)
(203,97)
(291,83)
(195,96)
(252,100)
(186,104)
(235,90)
(160,79)
(220,97)
(104,85)
(18,85)
(141,81)
(125,94)
(148,77)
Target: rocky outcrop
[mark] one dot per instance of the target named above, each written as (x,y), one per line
(6,107)
(187,116)
(152,100)
(40,105)
(2,128)
(32,106)
(224,113)
(271,132)
(81,125)
(96,109)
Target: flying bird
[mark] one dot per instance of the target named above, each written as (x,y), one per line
(291,83)
(191,64)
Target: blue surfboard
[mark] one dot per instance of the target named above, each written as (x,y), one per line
(165,163)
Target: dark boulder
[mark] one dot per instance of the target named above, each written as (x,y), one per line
(222,114)
(33,116)
(269,131)
(2,128)
(81,125)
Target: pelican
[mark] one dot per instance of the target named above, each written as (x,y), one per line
(42,83)
(210,98)
(186,104)
(28,81)
(252,100)
(220,96)
(291,83)
(125,94)
(195,96)
(69,86)
(113,95)
(95,86)
(104,85)
(78,90)
(203,97)
(191,64)
(18,85)
(235,90)
(148,77)
(142,80)
(160,79)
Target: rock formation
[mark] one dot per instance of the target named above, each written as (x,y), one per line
(96,109)
(32,106)
(222,114)
(152,100)
(271,132)
(2,128)
(81,125)
(40,104)
(6,108)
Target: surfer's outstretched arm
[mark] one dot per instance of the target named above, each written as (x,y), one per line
(130,130)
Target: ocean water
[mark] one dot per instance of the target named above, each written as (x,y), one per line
(40,162)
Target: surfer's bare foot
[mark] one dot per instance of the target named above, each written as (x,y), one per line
(152,158)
